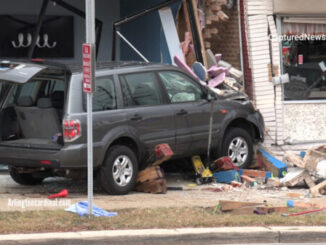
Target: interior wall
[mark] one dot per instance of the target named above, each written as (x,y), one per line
(145,33)
(106,10)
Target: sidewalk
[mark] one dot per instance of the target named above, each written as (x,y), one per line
(176,236)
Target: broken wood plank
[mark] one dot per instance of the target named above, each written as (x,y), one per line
(315,191)
(296,176)
(157,186)
(294,159)
(270,210)
(150,173)
(231,205)
(256,173)
(198,27)
(312,158)
(250,181)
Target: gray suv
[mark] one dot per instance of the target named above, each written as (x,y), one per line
(136,106)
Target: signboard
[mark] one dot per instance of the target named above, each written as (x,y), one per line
(88,68)
(56,38)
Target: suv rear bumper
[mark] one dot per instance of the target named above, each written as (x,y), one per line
(73,156)
(31,158)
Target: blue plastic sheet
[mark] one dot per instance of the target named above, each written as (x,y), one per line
(81,208)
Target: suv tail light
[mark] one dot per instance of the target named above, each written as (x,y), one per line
(71,130)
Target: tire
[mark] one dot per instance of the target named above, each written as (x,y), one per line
(238,145)
(122,183)
(24,179)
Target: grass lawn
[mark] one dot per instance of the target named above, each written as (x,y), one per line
(55,221)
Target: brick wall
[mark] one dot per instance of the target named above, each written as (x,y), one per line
(247,69)
(226,41)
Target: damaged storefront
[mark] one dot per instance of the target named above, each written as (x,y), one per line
(303,42)
(284,54)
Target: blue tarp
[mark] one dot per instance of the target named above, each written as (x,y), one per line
(81,208)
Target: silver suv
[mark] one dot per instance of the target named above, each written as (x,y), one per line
(136,106)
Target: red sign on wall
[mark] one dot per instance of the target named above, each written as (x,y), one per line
(87,68)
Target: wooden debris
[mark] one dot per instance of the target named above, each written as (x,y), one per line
(293,178)
(256,173)
(250,181)
(270,210)
(273,182)
(207,44)
(293,194)
(215,7)
(231,205)
(150,173)
(244,210)
(294,159)
(315,190)
(157,186)
(151,180)
(222,15)
(312,158)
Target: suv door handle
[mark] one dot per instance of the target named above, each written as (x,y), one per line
(182,112)
(136,117)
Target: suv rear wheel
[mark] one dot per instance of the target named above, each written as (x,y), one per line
(119,170)
(24,178)
(238,146)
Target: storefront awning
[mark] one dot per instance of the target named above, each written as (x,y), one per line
(309,26)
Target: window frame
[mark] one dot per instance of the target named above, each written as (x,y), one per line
(158,81)
(116,91)
(205,93)
(279,21)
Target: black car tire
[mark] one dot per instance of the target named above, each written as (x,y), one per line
(231,136)
(24,178)
(113,184)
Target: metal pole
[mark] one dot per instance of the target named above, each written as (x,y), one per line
(132,46)
(90,38)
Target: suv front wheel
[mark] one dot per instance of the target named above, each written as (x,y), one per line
(238,146)
(119,171)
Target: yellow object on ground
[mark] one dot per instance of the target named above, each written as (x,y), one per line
(200,168)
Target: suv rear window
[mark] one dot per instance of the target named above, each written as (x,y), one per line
(140,89)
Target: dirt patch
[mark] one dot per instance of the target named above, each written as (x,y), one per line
(13,197)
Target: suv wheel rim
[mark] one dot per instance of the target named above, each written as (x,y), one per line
(122,170)
(238,151)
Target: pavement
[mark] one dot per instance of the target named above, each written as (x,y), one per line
(224,235)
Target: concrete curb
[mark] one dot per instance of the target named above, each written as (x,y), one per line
(224,235)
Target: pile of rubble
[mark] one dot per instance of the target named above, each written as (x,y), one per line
(267,173)
(310,167)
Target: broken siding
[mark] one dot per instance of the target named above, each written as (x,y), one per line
(275,55)
(259,55)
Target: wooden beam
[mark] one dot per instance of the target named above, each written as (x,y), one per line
(231,205)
